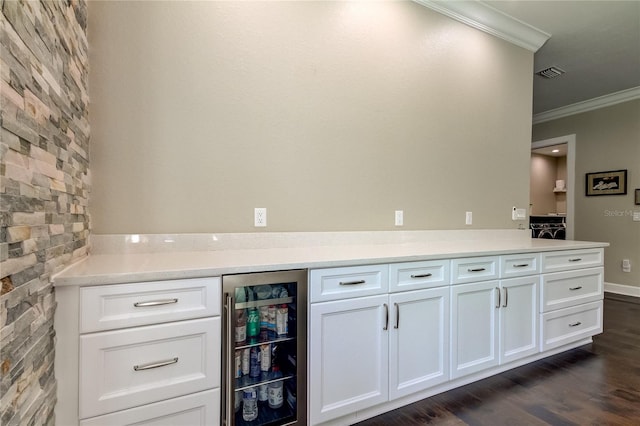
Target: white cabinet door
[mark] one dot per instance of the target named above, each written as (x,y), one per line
(418,340)
(348,356)
(474,327)
(518,318)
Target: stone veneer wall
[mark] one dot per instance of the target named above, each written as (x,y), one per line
(44,186)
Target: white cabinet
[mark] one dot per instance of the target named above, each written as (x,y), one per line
(474,327)
(202,408)
(140,353)
(492,323)
(367,350)
(418,340)
(348,357)
(518,318)
(571,300)
(472,269)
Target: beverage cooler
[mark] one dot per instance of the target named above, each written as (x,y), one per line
(264,350)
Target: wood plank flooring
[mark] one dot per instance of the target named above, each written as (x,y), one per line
(596,384)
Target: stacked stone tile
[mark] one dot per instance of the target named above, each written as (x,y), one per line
(44,186)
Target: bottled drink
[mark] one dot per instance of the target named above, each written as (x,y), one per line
(245,361)
(241,326)
(282,318)
(249,404)
(253,323)
(264,317)
(254,368)
(263,393)
(238,362)
(276,391)
(272,318)
(265,357)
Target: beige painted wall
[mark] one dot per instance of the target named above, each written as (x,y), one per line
(330,114)
(606,139)
(543,178)
(545,170)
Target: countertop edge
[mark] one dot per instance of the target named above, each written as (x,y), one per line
(105,269)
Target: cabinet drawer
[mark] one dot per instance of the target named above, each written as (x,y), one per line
(127,368)
(199,409)
(473,269)
(570,324)
(343,283)
(565,289)
(571,259)
(519,265)
(418,275)
(126,305)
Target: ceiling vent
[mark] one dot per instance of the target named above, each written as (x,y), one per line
(550,72)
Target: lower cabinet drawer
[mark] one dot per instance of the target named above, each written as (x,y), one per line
(199,409)
(128,368)
(565,289)
(568,325)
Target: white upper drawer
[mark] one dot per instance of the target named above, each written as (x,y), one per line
(344,283)
(418,275)
(127,368)
(126,305)
(571,259)
(518,265)
(569,288)
(471,269)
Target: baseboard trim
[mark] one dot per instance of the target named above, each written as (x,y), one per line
(625,290)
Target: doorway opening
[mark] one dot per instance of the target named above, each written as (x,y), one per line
(553,189)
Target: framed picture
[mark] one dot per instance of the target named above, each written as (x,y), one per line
(637,197)
(606,183)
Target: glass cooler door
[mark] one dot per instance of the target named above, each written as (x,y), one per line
(265,348)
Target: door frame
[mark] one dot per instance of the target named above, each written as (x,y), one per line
(570,140)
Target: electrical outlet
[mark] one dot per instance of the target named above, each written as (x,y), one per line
(518,214)
(260,217)
(399,218)
(626,265)
(469,218)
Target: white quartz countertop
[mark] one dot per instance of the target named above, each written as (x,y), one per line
(134,258)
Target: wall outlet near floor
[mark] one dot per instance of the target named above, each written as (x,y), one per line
(626,265)
(399,218)
(468,220)
(260,217)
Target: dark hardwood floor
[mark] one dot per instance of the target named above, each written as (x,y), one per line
(596,384)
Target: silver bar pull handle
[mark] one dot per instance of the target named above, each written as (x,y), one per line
(575,324)
(155,303)
(397,316)
(386,321)
(427,275)
(352,282)
(228,393)
(506,297)
(499,297)
(575,259)
(476,269)
(575,288)
(156,364)
(521,265)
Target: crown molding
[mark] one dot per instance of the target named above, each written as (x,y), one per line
(588,105)
(490,20)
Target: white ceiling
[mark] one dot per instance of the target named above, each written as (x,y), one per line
(597,43)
